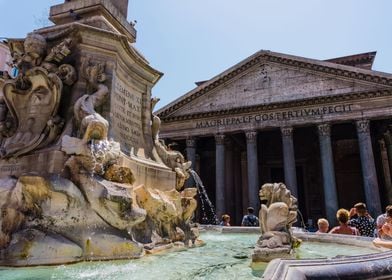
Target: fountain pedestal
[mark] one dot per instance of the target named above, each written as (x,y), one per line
(272,245)
(277,214)
(82,168)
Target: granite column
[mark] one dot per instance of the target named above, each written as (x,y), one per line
(237,185)
(388,174)
(220,174)
(386,171)
(329,184)
(244,183)
(290,173)
(229,179)
(253,170)
(191,156)
(388,146)
(369,174)
(191,151)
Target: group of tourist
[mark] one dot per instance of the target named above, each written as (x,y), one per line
(358,221)
(249,220)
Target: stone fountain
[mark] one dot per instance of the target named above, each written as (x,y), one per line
(83,173)
(277,214)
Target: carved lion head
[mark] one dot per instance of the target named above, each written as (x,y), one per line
(277,192)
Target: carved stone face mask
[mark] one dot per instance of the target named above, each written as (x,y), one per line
(34,48)
(31,109)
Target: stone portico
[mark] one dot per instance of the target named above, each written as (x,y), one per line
(321,127)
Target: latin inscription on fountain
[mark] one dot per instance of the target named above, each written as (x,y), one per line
(10,169)
(126,116)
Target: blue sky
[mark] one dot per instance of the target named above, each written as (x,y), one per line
(194,40)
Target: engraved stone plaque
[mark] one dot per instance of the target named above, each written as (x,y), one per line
(126,109)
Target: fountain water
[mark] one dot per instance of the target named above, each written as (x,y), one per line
(207,208)
(99,149)
(302,220)
(224,257)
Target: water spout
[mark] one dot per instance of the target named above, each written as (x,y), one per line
(207,208)
(99,150)
(302,221)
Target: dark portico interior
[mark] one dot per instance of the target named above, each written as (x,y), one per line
(347,165)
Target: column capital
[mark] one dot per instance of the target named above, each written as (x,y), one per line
(287,131)
(220,139)
(324,129)
(190,142)
(363,126)
(251,136)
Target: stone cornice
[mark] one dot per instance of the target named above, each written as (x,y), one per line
(329,68)
(279,105)
(76,29)
(60,14)
(362,60)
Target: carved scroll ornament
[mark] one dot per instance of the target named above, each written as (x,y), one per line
(29,119)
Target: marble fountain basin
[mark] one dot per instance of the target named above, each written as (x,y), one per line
(227,255)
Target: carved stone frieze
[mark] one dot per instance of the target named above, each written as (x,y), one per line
(280,105)
(324,129)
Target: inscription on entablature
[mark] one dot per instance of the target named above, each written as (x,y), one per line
(126,116)
(284,115)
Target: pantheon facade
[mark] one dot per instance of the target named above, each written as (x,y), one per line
(323,127)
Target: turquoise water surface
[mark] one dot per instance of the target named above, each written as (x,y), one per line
(225,256)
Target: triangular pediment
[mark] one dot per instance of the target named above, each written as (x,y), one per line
(269,78)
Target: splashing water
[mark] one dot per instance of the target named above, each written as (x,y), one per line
(302,221)
(99,150)
(207,208)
